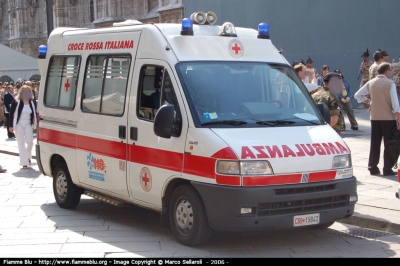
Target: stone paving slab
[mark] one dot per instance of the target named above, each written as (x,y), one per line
(159,254)
(30,249)
(269,253)
(115,247)
(114,239)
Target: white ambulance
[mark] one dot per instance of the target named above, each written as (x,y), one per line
(208,125)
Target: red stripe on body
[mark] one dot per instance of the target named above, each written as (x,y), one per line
(158,158)
(103,147)
(205,166)
(59,138)
(194,165)
(226,153)
(321,176)
(199,166)
(288,179)
(230,180)
(252,181)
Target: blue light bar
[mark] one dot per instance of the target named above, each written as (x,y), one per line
(42,52)
(263,31)
(187,27)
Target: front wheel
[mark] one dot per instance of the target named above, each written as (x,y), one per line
(67,195)
(188,218)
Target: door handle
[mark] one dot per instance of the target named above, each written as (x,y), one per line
(122,132)
(134,133)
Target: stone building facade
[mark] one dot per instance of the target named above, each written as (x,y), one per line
(23,24)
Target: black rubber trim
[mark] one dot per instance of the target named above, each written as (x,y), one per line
(38,159)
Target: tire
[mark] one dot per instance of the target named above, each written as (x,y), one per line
(67,195)
(188,218)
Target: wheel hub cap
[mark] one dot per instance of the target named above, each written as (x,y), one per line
(61,186)
(184,216)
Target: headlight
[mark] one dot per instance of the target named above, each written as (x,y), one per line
(228,167)
(341,161)
(255,168)
(244,168)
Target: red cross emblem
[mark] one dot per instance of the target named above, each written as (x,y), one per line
(145,179)
(236,48)
(67,85)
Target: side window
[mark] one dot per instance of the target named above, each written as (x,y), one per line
(106,80)
(62,80)
(168,93)
(155,90)
(149,91)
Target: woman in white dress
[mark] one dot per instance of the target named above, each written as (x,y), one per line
(23,122)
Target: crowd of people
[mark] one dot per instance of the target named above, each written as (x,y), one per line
(379,91)
(20,119)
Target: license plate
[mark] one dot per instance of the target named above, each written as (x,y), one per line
(303,220)
(344,173)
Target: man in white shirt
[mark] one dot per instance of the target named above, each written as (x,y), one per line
(301,71)
(385,115)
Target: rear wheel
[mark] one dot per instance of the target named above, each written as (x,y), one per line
(67,195)
(188,218)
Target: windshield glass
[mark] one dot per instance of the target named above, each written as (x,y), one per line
(237,94)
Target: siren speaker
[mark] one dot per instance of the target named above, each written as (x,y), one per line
(211,18)
(199,17)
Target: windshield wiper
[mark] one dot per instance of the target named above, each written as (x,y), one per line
(275,122)
(225,122)
(314,123)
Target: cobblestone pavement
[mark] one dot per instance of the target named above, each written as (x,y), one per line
(32,225)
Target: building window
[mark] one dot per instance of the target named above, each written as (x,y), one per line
(91,11)
(61,83)
(106,80)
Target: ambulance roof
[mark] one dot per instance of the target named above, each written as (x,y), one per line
(205,44)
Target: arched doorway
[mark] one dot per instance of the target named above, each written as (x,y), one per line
(6,78)
(35,78)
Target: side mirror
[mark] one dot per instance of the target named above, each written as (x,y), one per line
(164,121)
(323,108)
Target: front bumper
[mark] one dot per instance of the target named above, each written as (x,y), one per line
(275,206)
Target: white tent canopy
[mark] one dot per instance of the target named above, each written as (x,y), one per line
(16,64)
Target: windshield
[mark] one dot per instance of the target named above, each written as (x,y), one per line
(237,94)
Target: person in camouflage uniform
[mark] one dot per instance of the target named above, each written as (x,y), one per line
(373,70)
(364,68)
(364,71)
(325,96)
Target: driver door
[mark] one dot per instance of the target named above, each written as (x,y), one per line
(154,160)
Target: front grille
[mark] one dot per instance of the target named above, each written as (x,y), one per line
(303,190)
(300,206)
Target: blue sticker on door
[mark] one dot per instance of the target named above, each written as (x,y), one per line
(97,168)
